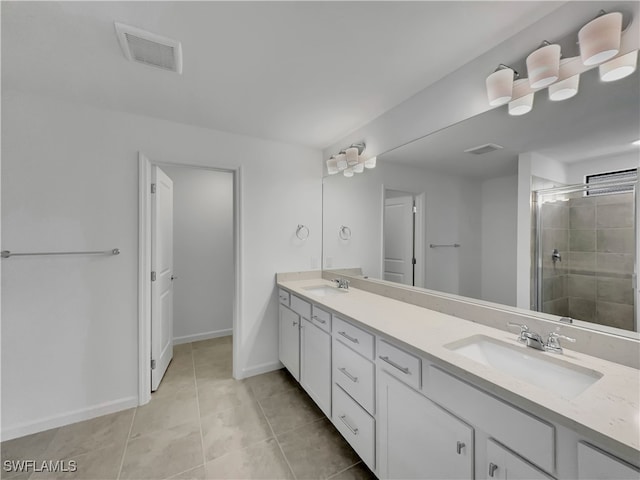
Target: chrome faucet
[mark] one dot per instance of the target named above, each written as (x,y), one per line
(342,283)
(535,340)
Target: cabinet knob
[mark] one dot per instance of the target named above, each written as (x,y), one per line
(459,447)
(492,469)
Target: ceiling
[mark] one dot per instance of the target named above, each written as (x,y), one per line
(601,120)
(305,73)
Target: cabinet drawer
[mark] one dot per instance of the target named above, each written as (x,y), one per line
(355,425)
(301,307)
(525,434)
(598,465)
(399,363)
(354,374)
(321,318)
(354,337)
(283,297)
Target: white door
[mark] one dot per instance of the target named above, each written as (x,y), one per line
(398,239)
(289,335)
(162,276)
(419,440)
(315,364)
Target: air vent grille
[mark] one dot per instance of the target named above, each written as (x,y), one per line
(149,48)
(482,149)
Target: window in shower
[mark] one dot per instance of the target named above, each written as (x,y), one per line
(586,251)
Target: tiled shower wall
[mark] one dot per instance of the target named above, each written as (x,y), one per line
(596,238)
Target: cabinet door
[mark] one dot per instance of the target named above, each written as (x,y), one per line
(502,464)
(419,440)
(289,344)
(594,464)
(315,364)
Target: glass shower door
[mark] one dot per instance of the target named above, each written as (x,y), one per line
(586,253)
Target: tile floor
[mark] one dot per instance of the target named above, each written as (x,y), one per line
(201,424)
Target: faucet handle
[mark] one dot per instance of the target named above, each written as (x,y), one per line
(553,342)
(523,329)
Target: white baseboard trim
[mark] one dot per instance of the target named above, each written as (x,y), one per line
(262,368)
(202,336)
(68,418)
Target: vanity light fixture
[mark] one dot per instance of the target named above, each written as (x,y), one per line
(332,166)
(619,67)
(350,160)
(599,39)
(521,105)
(500,85)
(543,65)
(566,88)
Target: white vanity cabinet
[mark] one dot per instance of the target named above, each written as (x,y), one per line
(594,464)
(502,464)
(315,364)
(417,438)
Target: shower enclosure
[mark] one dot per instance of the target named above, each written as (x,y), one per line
(585,251)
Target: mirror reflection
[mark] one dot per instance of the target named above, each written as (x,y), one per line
(512,210)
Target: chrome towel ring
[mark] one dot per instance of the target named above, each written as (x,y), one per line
(344,232)
(302,232)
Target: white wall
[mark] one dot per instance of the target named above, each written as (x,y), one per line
(203,253)
(70,182)
(499,227)
(452,215)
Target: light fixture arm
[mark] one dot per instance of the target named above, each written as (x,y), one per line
(360,146)
(502,66)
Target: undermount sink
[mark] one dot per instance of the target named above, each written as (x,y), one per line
(553,374)
(324,290)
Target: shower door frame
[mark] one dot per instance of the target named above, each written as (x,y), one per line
(570,189)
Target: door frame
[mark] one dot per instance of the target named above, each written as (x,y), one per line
(144,269)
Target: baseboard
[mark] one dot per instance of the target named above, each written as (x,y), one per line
(68,418)
(202,336)
(262,368)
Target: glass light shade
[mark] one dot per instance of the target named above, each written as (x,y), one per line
(332,166)
(370,162)
(543,66)
(521,105)
(358,168)
(600,38)
(352,155)
(341,161)
(500,87)
(618,68)
(348,172)
(567,88)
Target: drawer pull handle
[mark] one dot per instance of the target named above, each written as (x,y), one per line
(315,317)
(344,420)
(348,375)
(295,323)
(492,469)
(284,299)
(349,337)
(459,447)
(404,370)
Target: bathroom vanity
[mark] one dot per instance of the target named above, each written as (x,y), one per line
(422,394)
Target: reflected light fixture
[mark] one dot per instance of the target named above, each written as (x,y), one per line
(521,105)
(341,160)
(619,67)
(370,162)
(348,172)
(352,155)
(600,38)
(500,85)
(543,65)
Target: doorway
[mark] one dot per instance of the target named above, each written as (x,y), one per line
(202,266)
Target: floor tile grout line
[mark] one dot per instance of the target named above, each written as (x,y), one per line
(344,470)
(126,443)
(184,471)
(302,425)
(277,441)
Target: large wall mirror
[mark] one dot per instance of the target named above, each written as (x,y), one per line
(440,214)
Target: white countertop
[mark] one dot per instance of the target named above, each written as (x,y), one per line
(608,412)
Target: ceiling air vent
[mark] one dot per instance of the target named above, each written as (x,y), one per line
(149,48)
(481,149)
